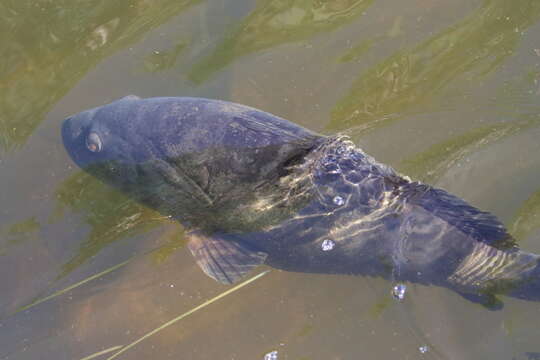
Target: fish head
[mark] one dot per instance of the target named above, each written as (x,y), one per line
(99,140)
(188,158)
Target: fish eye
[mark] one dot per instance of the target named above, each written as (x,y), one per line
(93,142)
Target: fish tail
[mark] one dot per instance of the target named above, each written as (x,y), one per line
(490,271)
(528,287)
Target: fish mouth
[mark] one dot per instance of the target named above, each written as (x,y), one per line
(68,134)
(72,131)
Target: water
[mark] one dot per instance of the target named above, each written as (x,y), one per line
(446,92)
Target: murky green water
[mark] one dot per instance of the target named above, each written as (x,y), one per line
(447,92)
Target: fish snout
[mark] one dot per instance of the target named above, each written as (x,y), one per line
(73,131)
(70,130)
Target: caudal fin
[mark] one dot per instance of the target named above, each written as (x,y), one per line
(527,287)
(488,272)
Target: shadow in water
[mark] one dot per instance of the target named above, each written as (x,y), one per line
(527,218)
(111,217)
(19,233)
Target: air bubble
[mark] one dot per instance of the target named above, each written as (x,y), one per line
(328,245)
(423,349)
(398,291)
(273,355)
(338,200)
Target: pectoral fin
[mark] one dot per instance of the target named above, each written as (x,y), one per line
(222,257)
(181,181)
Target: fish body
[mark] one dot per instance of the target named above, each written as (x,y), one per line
(252,188)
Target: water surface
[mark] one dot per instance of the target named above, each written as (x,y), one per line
(447,92)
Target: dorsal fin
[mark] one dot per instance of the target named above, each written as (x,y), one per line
(481,226)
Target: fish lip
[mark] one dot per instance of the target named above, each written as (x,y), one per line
(66,133)
(70,132)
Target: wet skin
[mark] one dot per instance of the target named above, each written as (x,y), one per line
(253,188)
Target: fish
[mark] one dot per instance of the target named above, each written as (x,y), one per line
(251,188)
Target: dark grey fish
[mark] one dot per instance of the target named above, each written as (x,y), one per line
(533,355)
(252,188)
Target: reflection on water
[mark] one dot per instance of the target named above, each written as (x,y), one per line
(410,78)
(47,47)
(276,22)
